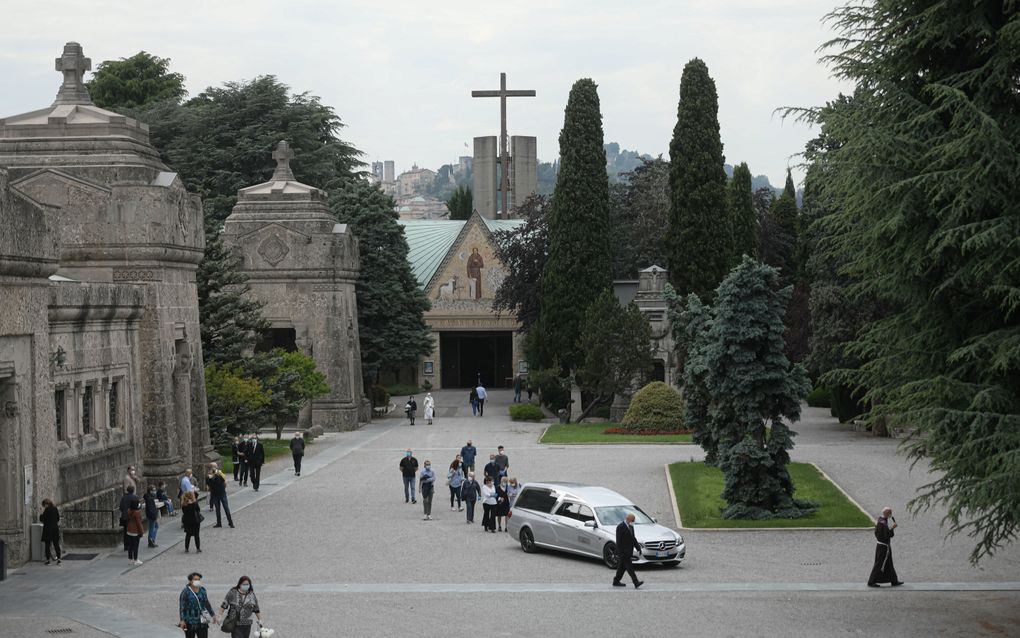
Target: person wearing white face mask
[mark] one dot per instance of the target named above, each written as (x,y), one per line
(240,604)
(196,612)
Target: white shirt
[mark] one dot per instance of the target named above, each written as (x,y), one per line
(186,485)
(488,494)
(481,392)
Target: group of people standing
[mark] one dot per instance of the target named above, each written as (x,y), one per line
(248,456)
(496,493)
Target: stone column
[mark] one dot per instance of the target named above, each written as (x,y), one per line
(182,399)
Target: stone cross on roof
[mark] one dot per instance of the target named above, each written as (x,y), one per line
(73,64)
(283,154)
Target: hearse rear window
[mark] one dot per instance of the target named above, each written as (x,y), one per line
(536,498)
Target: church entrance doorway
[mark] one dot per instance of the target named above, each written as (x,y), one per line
(468,357)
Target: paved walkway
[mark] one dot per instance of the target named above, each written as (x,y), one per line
(337,552)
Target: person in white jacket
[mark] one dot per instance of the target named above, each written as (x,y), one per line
(430,408)
(488,506)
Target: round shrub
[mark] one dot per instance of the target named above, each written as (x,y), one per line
(526,412)
(656,406)
(819,398)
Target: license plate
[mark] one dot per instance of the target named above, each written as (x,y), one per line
(660,554)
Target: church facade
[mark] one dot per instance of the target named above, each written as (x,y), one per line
(455,264)
(100,350)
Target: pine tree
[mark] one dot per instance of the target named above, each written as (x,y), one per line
(928,185)
(579,262)
(391,306)
(747,391)
(745,239)
(134,83)
(789,190)
(699,242)
(230,320)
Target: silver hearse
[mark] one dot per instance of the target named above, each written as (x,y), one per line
(582,519)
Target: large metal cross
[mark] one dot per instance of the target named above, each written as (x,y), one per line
(504,155)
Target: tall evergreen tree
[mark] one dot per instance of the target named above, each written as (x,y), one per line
(230,320)
(578,268)
(789,190)
(131,84)
(461,203)
(736,363)
(928,184)
(698,235)
(638,211)
(744,224)
(391,306)
(523,251)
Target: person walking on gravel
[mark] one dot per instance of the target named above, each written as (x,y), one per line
(883,570)
(471,492)
(626,544)
(454,480)
(195,611)
(297,451)
(482,396)
(408,470)
(428,488)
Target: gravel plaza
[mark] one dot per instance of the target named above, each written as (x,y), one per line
(337,552)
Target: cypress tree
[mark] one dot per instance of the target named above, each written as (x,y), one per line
(745,236)
(578,268)
(789,190)
(699,242)
(927,181)
(391,306)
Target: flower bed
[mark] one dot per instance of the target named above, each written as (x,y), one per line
(643,431)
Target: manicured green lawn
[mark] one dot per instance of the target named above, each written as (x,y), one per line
(699,497)
(274,449)
(595,433)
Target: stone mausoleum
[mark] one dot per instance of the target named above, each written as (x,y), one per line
(100,354)
(302,265)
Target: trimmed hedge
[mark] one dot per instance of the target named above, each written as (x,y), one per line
(657,407)
(819,398)
(526,412)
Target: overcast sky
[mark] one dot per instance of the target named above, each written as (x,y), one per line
(399,73)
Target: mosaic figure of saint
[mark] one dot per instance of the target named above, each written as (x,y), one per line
(474,272)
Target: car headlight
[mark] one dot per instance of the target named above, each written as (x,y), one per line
(679,539)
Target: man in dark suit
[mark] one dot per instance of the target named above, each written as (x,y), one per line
(255,456)
(626,544)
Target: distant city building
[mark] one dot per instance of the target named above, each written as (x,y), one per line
(377,171)
(422,207)
(414,181)
(463,165)
(388,172)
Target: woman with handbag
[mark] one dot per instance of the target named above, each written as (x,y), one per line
(240,604)
(192,519)
(196,612)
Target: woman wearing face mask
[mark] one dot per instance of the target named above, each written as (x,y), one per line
(192,519)
(488,506)
(134,531)
(240,604)
(454,480)
(196,612)
(427,488)
(502,502)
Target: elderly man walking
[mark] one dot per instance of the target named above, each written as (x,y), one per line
(626,544)
(883,570)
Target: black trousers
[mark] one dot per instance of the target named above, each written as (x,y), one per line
(488,516)
(481,407)
(297,463)
(188,535)
(123,525)
(56,546)
(133,547)
(237,467)
(626,565)
(255,471)
(244,472)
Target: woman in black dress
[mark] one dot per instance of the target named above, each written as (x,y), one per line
(192,518)
(50,519)
(502,503)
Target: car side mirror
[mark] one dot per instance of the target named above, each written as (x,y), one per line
(591,524)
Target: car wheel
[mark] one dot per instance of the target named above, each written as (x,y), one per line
(610,556)
(528,541)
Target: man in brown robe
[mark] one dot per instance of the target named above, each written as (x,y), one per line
(474,271)
(883,570)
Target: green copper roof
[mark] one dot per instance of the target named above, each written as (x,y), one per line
(429,240)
